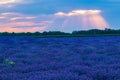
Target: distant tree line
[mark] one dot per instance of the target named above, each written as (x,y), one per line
(33,33)
(97,31)
(57,33)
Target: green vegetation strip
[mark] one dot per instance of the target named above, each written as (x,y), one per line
(82,35)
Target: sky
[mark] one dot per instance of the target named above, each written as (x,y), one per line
(58,15)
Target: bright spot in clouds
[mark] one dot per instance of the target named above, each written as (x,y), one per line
(78,12)
(8,1)
(12,3)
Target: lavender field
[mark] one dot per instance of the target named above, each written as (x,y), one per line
(77,58)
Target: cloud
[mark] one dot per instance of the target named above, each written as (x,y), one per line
(59,21)
(12,3)
(16,22)
(78,12)
(3,2)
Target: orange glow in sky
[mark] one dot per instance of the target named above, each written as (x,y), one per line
(32,29)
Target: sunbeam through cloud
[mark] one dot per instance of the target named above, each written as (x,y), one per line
(85,19)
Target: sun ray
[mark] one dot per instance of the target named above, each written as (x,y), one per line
(86,19)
